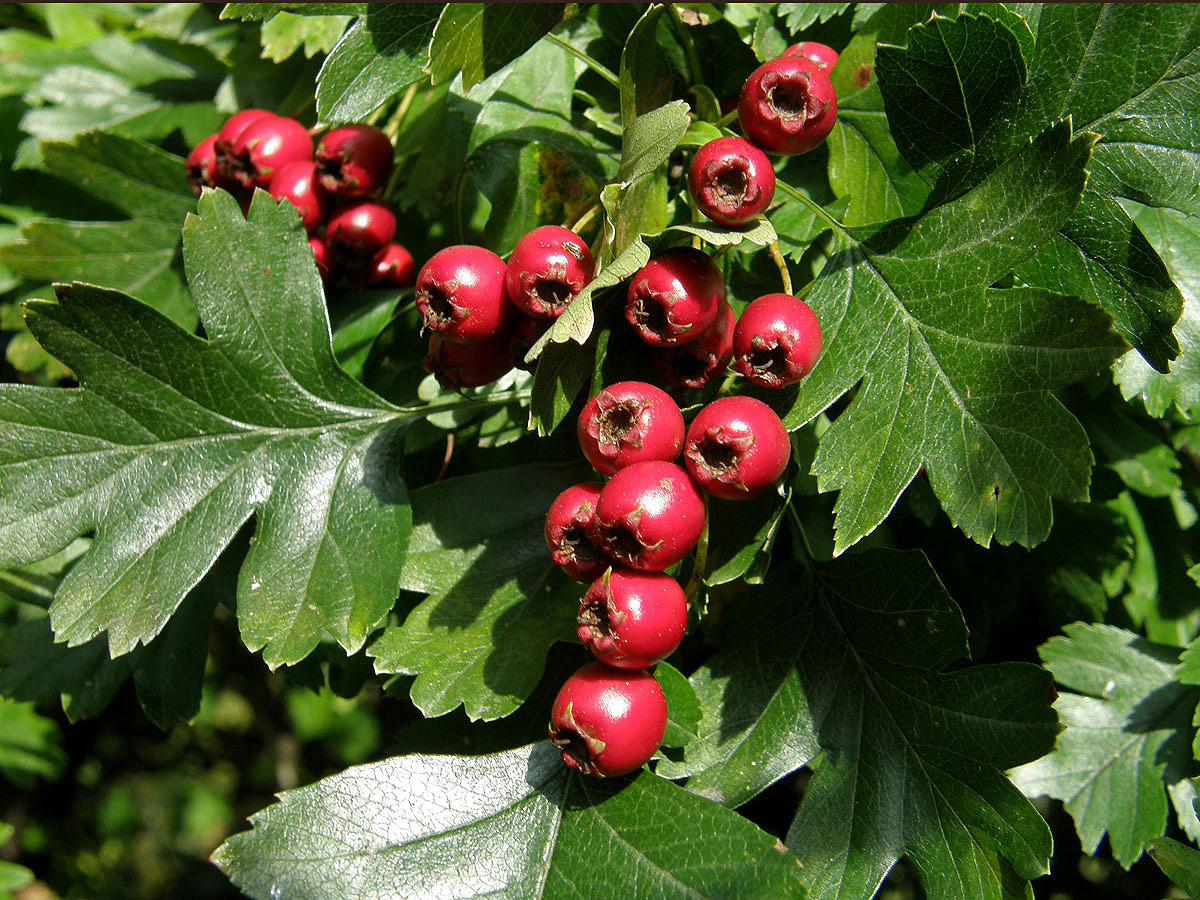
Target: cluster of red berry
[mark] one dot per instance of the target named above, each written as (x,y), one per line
(483,315)
(331,188)
(609,718)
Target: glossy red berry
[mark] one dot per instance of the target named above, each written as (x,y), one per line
(461,294)
(608,721)
(235,125)
(363,228)
(327,264)
(567,525)
(649,516)
(631,620)
(547,270)
(731,180)
(297,183)
(264,147)
(354,160)
(457,366)
(629,422)
(201,164)
(736,448)
(822,55)
(674,297)
(777,340)
(787,106)
(392,266)
(696,364)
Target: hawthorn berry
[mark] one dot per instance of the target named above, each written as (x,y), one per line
(674,297)
(234,126)
(649,516)
(629,422)
(264,147)
(694,365)
(731,180)
(567,532)
(736,448)
(608,721)
(461,294)
(362,228)
(457,366)
(821,55)
(327,264)
(787,106)
(201,165)
(297,182)
(548,268)
(631,620)
(777,340)
(354,160)
(392,266)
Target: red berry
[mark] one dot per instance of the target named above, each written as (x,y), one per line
(787,106)
(547,270)
(777,340)
(736,448)
(608,721)
(631,620)
(264,147)
(201,165)
(694,365)
(392,266)
(457,366)
(297,182)
(327,265)
(235,125)
(649,516)
(822,55)
(354,160)
(674,297)
(461,294)
(363,228)
(567,524)
(629,422)
(731,180)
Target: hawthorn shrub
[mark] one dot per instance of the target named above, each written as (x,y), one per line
(956,616)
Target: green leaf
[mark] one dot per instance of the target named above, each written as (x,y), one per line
(260,12)
(562,372)
(650,139)
(528,827)
(955,375)
(496,602)
(683,706)
(136,256)
(28,745)
(1139,457)
(1176,239)
(35,583)
(1179,862)
(865,164)
(1138,101)
(287,32)
(1128,736)
(173,442)
(741,535)
(913,755)
(646,77)
(937,71)
(799,16)
(481,38)
(357,320)
(382,53)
